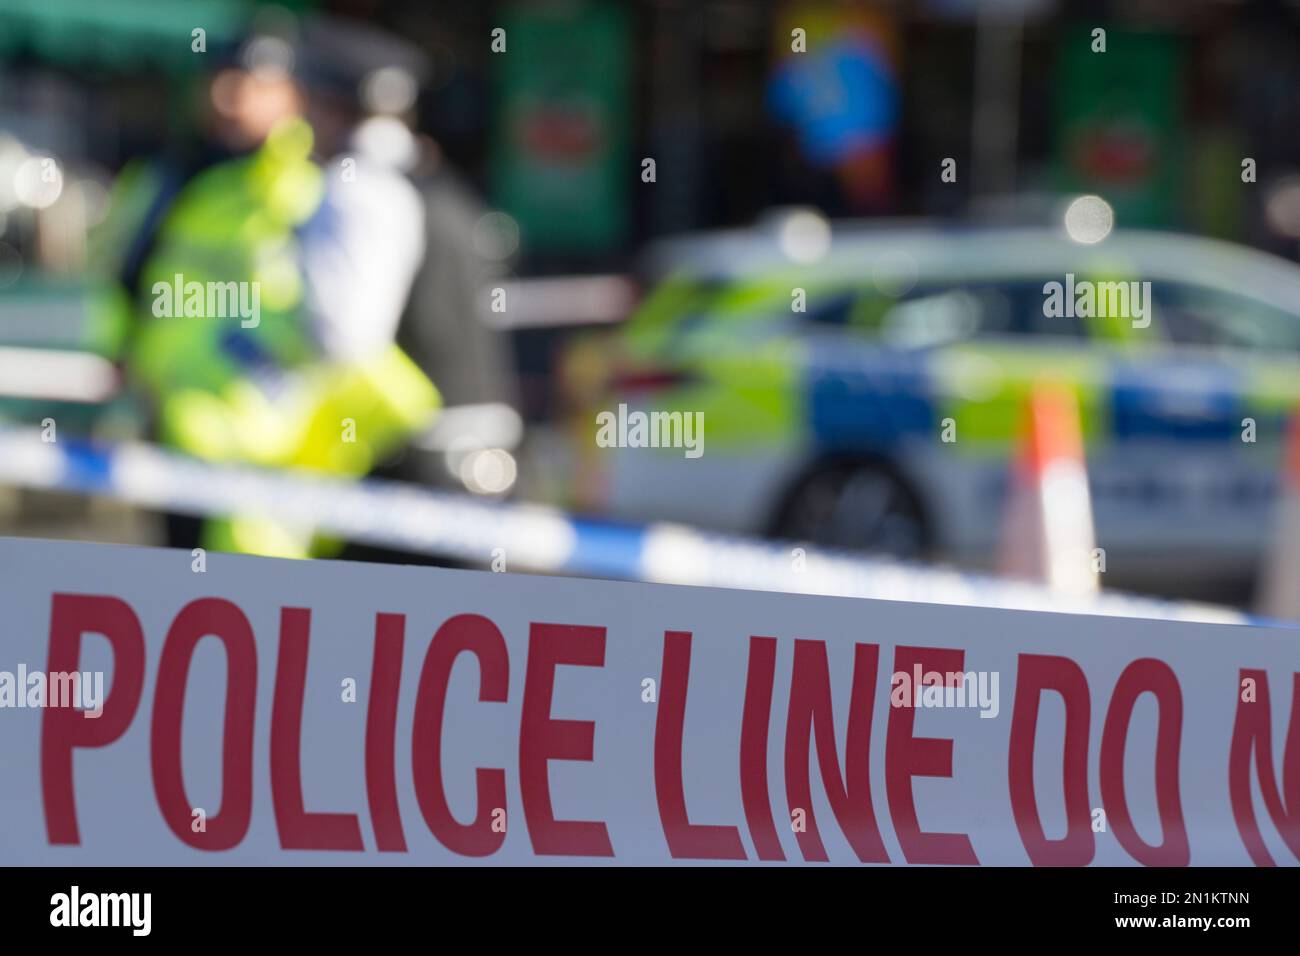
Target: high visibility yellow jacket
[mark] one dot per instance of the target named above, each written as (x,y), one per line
(218,338)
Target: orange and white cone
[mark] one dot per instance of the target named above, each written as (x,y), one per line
(1048,534)
(1279,577)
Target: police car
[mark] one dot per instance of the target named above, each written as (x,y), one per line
(866,389)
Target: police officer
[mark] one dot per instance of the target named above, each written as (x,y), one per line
(313,380)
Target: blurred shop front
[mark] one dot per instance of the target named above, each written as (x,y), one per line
(552,111)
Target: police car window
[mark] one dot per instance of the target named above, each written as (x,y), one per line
(829,308)
(1196,315)
(932,319)
(952,313)
(1031,316)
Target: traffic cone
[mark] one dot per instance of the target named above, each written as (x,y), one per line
(1279,578)
(1048,533)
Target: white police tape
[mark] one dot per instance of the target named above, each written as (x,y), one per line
(609,722)
(531,537)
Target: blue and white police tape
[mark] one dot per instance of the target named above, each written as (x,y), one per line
(531,537)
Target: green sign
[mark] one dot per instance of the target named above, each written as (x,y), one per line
(560,163)
(1119,129)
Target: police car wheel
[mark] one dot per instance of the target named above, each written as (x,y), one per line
(858,506)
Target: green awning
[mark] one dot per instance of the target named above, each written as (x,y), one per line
(120,34)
